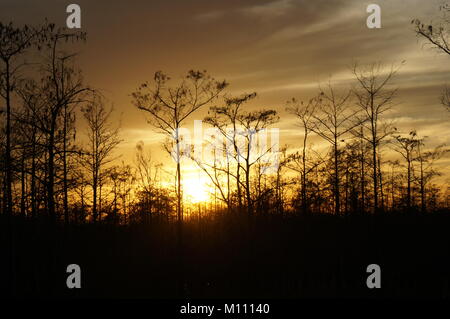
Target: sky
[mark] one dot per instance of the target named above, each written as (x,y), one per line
(278,48)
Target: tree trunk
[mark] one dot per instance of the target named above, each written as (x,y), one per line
(94,196)
(380,175)
(51,174)
(304,199)
(336,179)
(65,199)
(33,175)
(375,175)
(363,174)
(247,177)
(374,154)
(423,207)
(23,185)
(8,168)
(408,194)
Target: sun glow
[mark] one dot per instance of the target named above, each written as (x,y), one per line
(196,189)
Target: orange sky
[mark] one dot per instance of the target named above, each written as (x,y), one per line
(280,49)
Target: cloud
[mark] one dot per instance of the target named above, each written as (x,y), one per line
(269,10)
(279,48)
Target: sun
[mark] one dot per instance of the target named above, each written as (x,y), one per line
(196,189)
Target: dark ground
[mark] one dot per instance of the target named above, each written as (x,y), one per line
(296,257)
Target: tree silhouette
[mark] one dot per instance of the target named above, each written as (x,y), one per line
(169,107)
(304,112)
(242,139)
(102,140)
(406,147)
(14,42)
(332,122)
(437,34)
(374,99)
(445,99)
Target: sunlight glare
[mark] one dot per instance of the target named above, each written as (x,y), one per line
(196,189)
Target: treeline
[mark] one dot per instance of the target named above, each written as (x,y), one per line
(48,170)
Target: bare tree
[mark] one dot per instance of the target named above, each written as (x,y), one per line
(304,112)
(445,98)
(406,147)
(144,168)
(147,181)
(34,137)
(242,138)
(63,88)
(215,168)
(59,90)
(14,43)
(169,107)
(103,138)
(426,161)
(374,99)
(332,122)
(123,180)
(220,117)
(437,34)
(253,123)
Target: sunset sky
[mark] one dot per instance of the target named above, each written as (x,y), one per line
(280,49)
